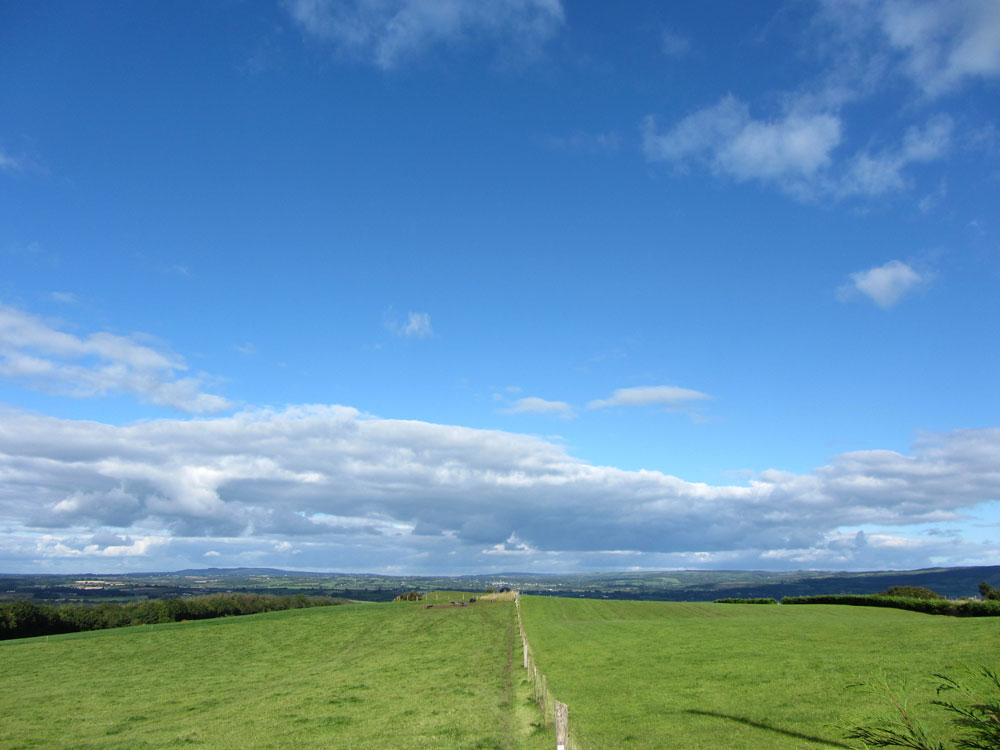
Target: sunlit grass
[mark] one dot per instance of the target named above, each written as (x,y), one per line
(685,675)
(385,675)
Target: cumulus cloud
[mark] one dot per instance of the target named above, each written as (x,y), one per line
(47,358)
(865,48)
(535,405)
(936,47)
(340,486)
(511,546)
(388,33)
(795,151)
(724,136)
(53,546)
(942,45)
(884,285)
(647,395)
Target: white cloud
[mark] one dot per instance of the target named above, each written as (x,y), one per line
(98,364)
(418,326)
(535,405)
(646,395)
(884,285)
(339,487)
(349,490)
(876,174)
(787,149)
(67,298)
(795,152)
(388,33)
(943,44)
(512,546)
(51,546)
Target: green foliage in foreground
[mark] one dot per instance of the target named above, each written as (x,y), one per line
(21,619)
(359,676)
(686,675)
(964,608)
(759,600)
(975,717)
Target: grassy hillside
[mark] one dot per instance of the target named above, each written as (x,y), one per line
(657,675)
(374,675)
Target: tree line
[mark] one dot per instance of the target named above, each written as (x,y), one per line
(23,619)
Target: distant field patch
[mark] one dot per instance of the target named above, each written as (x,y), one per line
(375,675)
(692,675)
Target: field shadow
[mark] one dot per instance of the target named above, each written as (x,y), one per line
(769,728)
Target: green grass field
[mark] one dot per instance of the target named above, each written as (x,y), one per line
(374,675)
(677,675)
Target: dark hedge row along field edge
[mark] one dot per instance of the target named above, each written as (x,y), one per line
(21,619)
(964,608)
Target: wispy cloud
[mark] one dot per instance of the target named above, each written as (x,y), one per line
(797,151)
(648,395)
(417,325)
(882,172)
(801,146)
(583,142)
(674,45)
(535,405)
(49,359)
(788,150)
(884,285)
(10,163)
(388,33)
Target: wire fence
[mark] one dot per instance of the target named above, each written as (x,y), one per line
(553,711)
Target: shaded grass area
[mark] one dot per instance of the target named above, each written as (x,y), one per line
(691,675)
(380,675)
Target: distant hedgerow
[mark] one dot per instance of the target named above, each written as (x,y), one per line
(22,619)
(913,592)
(759,600)
(963,608)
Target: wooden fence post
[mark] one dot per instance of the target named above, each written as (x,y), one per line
(545,706)
(562,726)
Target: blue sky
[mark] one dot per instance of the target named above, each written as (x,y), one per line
(527,285)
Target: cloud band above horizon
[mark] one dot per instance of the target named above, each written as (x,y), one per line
(331,478)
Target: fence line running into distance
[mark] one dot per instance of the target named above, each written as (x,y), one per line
(560,711)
